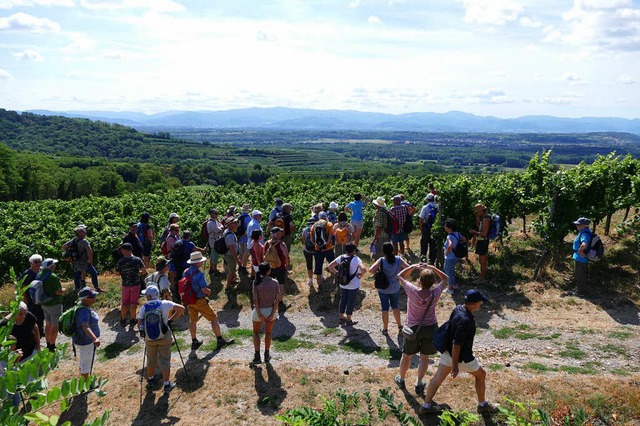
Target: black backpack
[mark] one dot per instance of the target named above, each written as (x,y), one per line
(319,234)
(344,278)
(242,225)
(460,250)
(380,278)
(220,245)
(596,249)
(177,253)
(392,223)
(442,338)
(71,254)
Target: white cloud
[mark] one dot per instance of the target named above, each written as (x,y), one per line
(28,55)
(626,79)
(574,79)
(374,20)
(491,12)
(527,22)
(24,22)
(81,43)
(154,5)
(5,75)
(354,4)
(10,4)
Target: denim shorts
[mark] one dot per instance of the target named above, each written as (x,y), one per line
(357,223)
(388,299)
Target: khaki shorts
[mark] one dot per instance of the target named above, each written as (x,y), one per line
(159,349)
(201,307)
(423,342)
(467,367)
(230,264)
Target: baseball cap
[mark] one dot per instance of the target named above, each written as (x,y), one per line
(151,292)
(87,292)
(322,215)
(582,221)
(473,296)
(48,262)
(126,246)
(256,212)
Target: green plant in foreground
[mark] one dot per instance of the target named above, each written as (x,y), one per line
(28,380)
(458,418)
(517,413)
(349,409)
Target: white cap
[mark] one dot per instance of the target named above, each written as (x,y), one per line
(256,212)
(333,205)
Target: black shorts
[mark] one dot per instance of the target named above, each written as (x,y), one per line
(482,247)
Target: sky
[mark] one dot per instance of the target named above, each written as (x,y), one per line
(503,58)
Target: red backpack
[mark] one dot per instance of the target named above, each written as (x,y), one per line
(185,289)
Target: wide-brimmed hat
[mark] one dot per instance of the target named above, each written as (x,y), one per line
(172,215)
(276,229)
(196,257)
(246,208)
(80,227)
(379,202)
(479,207)
(333,205)
(161,263)
(430,197)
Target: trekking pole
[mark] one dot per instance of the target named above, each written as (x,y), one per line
(93,358)
(144,356)
(179,353)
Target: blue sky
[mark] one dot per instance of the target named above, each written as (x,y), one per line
(504,58)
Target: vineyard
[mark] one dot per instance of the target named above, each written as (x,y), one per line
(554,196)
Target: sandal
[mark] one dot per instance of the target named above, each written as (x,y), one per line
(385,332)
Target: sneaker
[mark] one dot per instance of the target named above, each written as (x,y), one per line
(487,408)
(133,323)
(100,290)
(256,359)
(222,342)
(400,382)
(310,282)
(195,344)
(123,322)
(168,387)
(420,388)
(267,356)
(432,409)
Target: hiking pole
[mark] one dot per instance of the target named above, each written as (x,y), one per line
(144,355)
(93,358)
(184,367)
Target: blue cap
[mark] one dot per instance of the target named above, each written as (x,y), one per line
(473,296)
(87,292)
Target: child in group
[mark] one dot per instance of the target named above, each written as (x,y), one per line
(257,251)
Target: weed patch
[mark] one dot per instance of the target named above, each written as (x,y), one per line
(288,344)
(622,335)
(239,333)
(538,367)
(578,370)
(572,351)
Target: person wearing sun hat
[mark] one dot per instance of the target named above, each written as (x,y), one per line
(581,246)
(201,306)
(459,355)
(87,335)
(380,219)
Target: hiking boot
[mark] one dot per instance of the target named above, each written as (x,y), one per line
(151,383)
(433,408)
(267,356)
(168,386)
(195,344)
(400,382)
(123,322)
(222,342)
(256,359)
(420,388)
(133,323)
(487,408)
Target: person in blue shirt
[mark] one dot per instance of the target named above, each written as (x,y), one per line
(581,246)
(357,217)
(87,335)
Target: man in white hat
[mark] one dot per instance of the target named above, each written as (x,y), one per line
(254,225)
(380,223)
(196,278)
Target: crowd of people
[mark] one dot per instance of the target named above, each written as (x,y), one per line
(330,242)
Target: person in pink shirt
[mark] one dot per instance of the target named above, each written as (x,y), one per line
(421,317)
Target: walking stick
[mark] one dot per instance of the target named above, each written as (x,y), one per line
(144,355)
(179,353)
(93,358)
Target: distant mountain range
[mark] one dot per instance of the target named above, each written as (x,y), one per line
(307,119)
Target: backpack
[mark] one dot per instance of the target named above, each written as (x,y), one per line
(220,245)
(392,224)
(308,244)
(431,218)
(204,232)
(177,253)
(164,235)
(342,235)
(242,225)
(71,254)
(380,279)
(164,248)
(408,224)
(271,256)
(67,320)
(344,278)
(152,279)
(185,289)
(142,231)
(442,337)
(460,250)
(319,234)
(596,249)
(36,290)
(153,323)
(278,220)
(494,227)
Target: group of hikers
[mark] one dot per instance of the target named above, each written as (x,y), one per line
(179,282)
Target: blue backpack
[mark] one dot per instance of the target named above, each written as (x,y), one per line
(154,326)
(36,289)
(494,227)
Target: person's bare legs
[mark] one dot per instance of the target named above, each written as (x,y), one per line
(385,320)
(481,383)
(423,366)
(405,363)
(396,316)
(437,380)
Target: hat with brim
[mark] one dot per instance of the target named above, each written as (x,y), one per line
(582,221)
(80,228)
(256,213)
(48,263)
(380,202)
(151,292)
(246,208)
(276,229)
(87,292)
(196,257)
(126,246)
(474,296)
(479,207)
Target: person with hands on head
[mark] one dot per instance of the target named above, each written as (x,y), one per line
(265,300)
(459,355)
(421,318)
(158,346)
(87,335)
